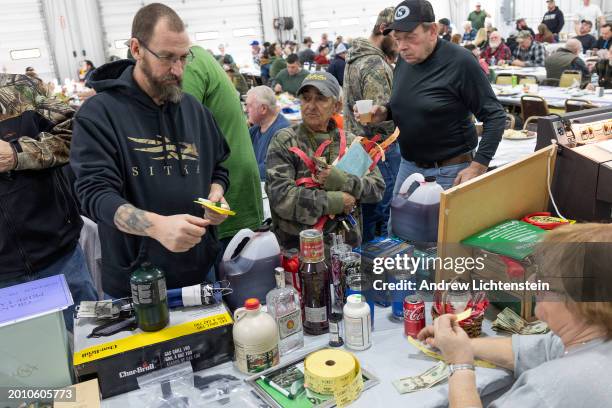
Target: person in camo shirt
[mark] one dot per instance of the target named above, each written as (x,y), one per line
(296,207)
(39,219)
(368,75)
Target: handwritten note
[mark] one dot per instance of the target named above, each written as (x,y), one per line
(35,298)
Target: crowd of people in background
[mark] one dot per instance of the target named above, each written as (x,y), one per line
(362,68)
(284,65)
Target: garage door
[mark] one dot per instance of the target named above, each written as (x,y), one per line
(234,23)
(349,18)
(23,39)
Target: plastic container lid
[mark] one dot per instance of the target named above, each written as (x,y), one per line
(251,304)
(355,299)
(429,179)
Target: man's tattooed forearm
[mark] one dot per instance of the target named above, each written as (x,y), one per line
(132,220)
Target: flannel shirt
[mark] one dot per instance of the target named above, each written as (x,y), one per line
(533,57)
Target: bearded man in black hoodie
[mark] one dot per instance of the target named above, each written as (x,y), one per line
(143,152)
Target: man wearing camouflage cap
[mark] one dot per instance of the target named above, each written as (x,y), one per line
(306,192)
(369,76)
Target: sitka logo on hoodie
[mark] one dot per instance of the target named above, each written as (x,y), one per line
(165,150)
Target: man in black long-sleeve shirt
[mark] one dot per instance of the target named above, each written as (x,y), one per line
(437,86)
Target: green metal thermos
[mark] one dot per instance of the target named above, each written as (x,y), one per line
(149,296)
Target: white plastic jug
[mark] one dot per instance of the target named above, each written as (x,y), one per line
(255,338)
(250,271)
(414,217)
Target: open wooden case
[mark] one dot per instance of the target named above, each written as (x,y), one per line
(509,192)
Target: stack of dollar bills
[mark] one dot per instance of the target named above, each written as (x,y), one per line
(508,322)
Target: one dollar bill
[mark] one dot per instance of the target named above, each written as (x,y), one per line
(428,379)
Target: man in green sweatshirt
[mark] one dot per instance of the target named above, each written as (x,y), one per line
(205,79)
(290,79)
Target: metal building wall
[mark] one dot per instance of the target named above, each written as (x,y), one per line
(22,28)
(234,23)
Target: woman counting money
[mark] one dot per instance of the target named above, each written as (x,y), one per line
(569,366)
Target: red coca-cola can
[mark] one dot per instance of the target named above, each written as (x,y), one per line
(414,315)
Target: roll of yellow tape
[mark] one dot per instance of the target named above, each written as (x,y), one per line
(334,372)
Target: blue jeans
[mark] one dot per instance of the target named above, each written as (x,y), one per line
(74,268)
(445,176)
(377,215)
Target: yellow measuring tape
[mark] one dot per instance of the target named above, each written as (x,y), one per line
(334,372)
(430,353)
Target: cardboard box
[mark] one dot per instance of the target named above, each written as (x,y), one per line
(34,348)
(84,395)
(201,335)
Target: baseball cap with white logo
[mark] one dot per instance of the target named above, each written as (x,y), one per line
(409,14)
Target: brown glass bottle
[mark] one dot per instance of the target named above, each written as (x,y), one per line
(314,279)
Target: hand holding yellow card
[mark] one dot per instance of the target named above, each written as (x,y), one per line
(216,207)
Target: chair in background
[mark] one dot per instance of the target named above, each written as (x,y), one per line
(573,105)
(252,80)
(531,124)
(569,77)
(528,79)
(532,105)
(549,82)
(503,79)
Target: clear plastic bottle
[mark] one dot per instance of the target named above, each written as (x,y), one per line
(284,306)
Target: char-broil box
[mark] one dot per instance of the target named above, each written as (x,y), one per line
(201,335)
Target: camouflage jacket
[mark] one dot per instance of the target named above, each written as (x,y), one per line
(24,97)
(367,76)
(39,219)
(296,208)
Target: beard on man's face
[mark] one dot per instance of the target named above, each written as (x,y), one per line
(166,88)
(388,45)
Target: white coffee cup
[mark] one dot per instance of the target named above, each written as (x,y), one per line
(599,91)
(364,107)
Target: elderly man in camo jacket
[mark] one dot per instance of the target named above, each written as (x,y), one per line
(330,194)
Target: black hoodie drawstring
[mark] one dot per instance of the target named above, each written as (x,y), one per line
(163,139)
(178,147)
(173,139)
